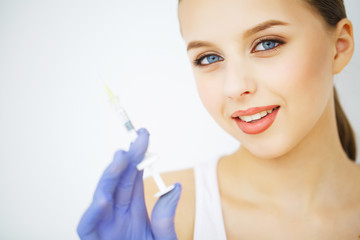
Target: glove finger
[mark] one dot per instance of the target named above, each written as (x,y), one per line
(137,209)
(138,206)
(126,184)
(162,217)
(103,196)
(86,228)
(109,180)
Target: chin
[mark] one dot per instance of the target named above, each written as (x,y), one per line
(268,154)
(269,148)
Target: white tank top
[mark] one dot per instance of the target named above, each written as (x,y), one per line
(209,223)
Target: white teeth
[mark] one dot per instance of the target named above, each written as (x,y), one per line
(246,118)
(256,116)
(263,113)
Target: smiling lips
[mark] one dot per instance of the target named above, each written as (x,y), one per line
(256,120)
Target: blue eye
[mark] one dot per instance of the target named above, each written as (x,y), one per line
(267,45)
(208,59)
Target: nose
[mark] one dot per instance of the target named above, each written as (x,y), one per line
(239,81)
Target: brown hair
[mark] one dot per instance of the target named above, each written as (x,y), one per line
(332,11)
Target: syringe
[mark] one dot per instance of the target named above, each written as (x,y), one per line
(149,158)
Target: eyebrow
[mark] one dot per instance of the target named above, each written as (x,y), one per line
(258,28)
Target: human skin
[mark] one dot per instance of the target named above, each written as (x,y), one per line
(292,181)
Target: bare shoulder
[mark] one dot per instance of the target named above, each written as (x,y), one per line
(185,213)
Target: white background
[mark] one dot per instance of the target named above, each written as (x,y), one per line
(57,130)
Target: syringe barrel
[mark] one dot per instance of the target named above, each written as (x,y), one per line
(126,123)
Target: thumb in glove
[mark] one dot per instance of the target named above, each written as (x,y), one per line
(162,218)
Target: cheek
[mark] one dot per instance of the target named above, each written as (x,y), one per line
(302,76)
(210,89)
(210,95)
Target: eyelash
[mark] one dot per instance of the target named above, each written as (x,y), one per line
(197,61)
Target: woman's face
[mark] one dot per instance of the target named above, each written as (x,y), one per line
(251,57)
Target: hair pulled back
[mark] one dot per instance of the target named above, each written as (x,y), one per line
(332,11)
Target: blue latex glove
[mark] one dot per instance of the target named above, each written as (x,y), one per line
(118,208)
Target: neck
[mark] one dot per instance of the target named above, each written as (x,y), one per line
(301,179)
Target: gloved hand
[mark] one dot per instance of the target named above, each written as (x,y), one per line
(118,208)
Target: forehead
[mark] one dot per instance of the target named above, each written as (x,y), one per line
(201,17)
